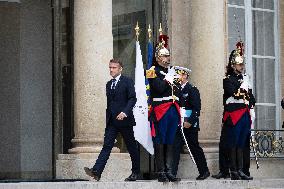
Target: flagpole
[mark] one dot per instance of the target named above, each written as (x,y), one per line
(149,33)
(149,41)
(137,29)
(142,130)
(160,29)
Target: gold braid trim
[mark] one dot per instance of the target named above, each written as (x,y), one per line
(151,73)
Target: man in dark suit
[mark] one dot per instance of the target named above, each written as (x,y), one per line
(121,99)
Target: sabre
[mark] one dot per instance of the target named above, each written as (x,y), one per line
(182,112)
(254,151)
(252,115)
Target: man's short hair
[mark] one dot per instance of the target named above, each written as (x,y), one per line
(114,60)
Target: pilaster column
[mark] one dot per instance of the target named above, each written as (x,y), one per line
(198,42)
(93,48)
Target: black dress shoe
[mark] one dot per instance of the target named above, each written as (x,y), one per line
(172,178)
(92,173)
(250,177)
(203,176)
(162,177)
(132,177)
(248,174)
(243,176)
(235,175)
(221,175)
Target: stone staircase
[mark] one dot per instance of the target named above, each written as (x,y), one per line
(70,166)
(118,167)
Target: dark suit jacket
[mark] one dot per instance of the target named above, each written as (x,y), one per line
(121,99)
(190,99)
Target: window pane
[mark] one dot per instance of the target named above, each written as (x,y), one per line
(265,117)
(235,24)
(264,80)
(263,33)
(126,13)
(264,4)
(236,2)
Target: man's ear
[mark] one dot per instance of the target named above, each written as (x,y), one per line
(158,58)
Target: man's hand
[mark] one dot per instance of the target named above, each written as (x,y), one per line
(186,125)
(121,116)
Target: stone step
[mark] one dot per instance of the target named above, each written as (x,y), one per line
(184,184)
(70,166)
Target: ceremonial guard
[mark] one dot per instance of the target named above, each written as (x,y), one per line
(238,105)
(191,103)
(164,115)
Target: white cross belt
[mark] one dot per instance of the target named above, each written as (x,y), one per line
(165,98)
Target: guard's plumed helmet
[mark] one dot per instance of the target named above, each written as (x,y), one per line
(238,54)
(161,49)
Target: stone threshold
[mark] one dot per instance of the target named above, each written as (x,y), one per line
(184,184)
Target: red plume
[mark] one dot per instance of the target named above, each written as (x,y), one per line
(164,38)
(240,45)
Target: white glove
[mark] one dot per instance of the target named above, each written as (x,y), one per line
(169,78)
(172,71)
(244,85)
(171,75)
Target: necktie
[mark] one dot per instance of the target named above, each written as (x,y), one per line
(113,83)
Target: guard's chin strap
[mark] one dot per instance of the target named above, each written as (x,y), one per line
(238,71)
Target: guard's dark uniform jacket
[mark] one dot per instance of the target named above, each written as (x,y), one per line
(190,100)
(162,94)
(231,85)
(161,88)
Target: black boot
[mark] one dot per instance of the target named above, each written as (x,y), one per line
(221,175)
(172,178)
(243,175)
(159,158)
(162,177)
(235,175)
(203,176)
(169,164)
(160,163)
(233,164)
(246,158)
(240,157)
(246,171)
(133,177)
